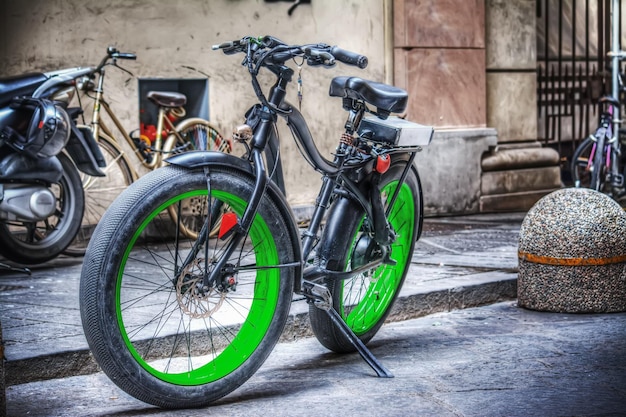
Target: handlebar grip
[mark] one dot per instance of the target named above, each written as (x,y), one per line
(112,52)
(125,55)
(350,58)
(225,45)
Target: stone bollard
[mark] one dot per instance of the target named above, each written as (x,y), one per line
(572,254)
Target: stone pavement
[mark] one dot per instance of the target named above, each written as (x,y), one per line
(450,363)
(495,360)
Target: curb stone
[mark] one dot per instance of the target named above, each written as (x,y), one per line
(452,296)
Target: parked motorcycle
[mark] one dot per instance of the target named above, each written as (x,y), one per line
(41,151)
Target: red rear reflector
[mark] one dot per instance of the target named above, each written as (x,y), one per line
(40,124)
(229,220)
(382,164)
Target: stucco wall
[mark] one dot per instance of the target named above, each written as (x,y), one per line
(172,38)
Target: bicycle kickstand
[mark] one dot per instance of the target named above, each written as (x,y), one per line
(320,297)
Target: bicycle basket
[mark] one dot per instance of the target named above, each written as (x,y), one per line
(42,127)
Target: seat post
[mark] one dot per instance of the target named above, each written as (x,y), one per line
(159,129)
(356,110)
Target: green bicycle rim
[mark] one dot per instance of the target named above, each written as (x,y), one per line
(259,318)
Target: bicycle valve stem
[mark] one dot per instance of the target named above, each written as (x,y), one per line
(242,133)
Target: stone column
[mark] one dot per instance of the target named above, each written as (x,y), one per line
(519,170)
(439,58)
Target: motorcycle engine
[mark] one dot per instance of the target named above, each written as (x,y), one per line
(26,203)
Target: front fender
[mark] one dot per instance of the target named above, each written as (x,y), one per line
(84,151)
(199,159)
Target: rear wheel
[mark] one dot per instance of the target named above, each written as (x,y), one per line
(33,242)
(153,326)
(599,171)
(365,300)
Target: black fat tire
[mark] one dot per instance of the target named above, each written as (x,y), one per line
(102,265)
(346,219)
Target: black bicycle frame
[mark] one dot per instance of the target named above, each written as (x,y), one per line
(262,119)
(264,138)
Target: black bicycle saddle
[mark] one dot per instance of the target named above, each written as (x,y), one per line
(385,97)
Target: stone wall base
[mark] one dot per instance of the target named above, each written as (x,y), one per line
(514,177)
(450,170)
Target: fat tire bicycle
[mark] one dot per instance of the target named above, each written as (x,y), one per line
(192,133)
(180,321)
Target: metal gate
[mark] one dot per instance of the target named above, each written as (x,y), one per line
(573,70)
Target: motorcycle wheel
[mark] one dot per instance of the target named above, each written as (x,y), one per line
(29,242)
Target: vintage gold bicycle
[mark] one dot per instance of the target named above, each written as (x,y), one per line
(192,133)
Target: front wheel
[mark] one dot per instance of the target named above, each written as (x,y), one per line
(589,170)
(153,325)
(365,300)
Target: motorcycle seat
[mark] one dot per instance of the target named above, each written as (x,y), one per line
(167,98)
(19,85)
(386,98)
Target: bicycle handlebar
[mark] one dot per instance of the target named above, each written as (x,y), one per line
(269,50)
(272,53)
(112,52)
